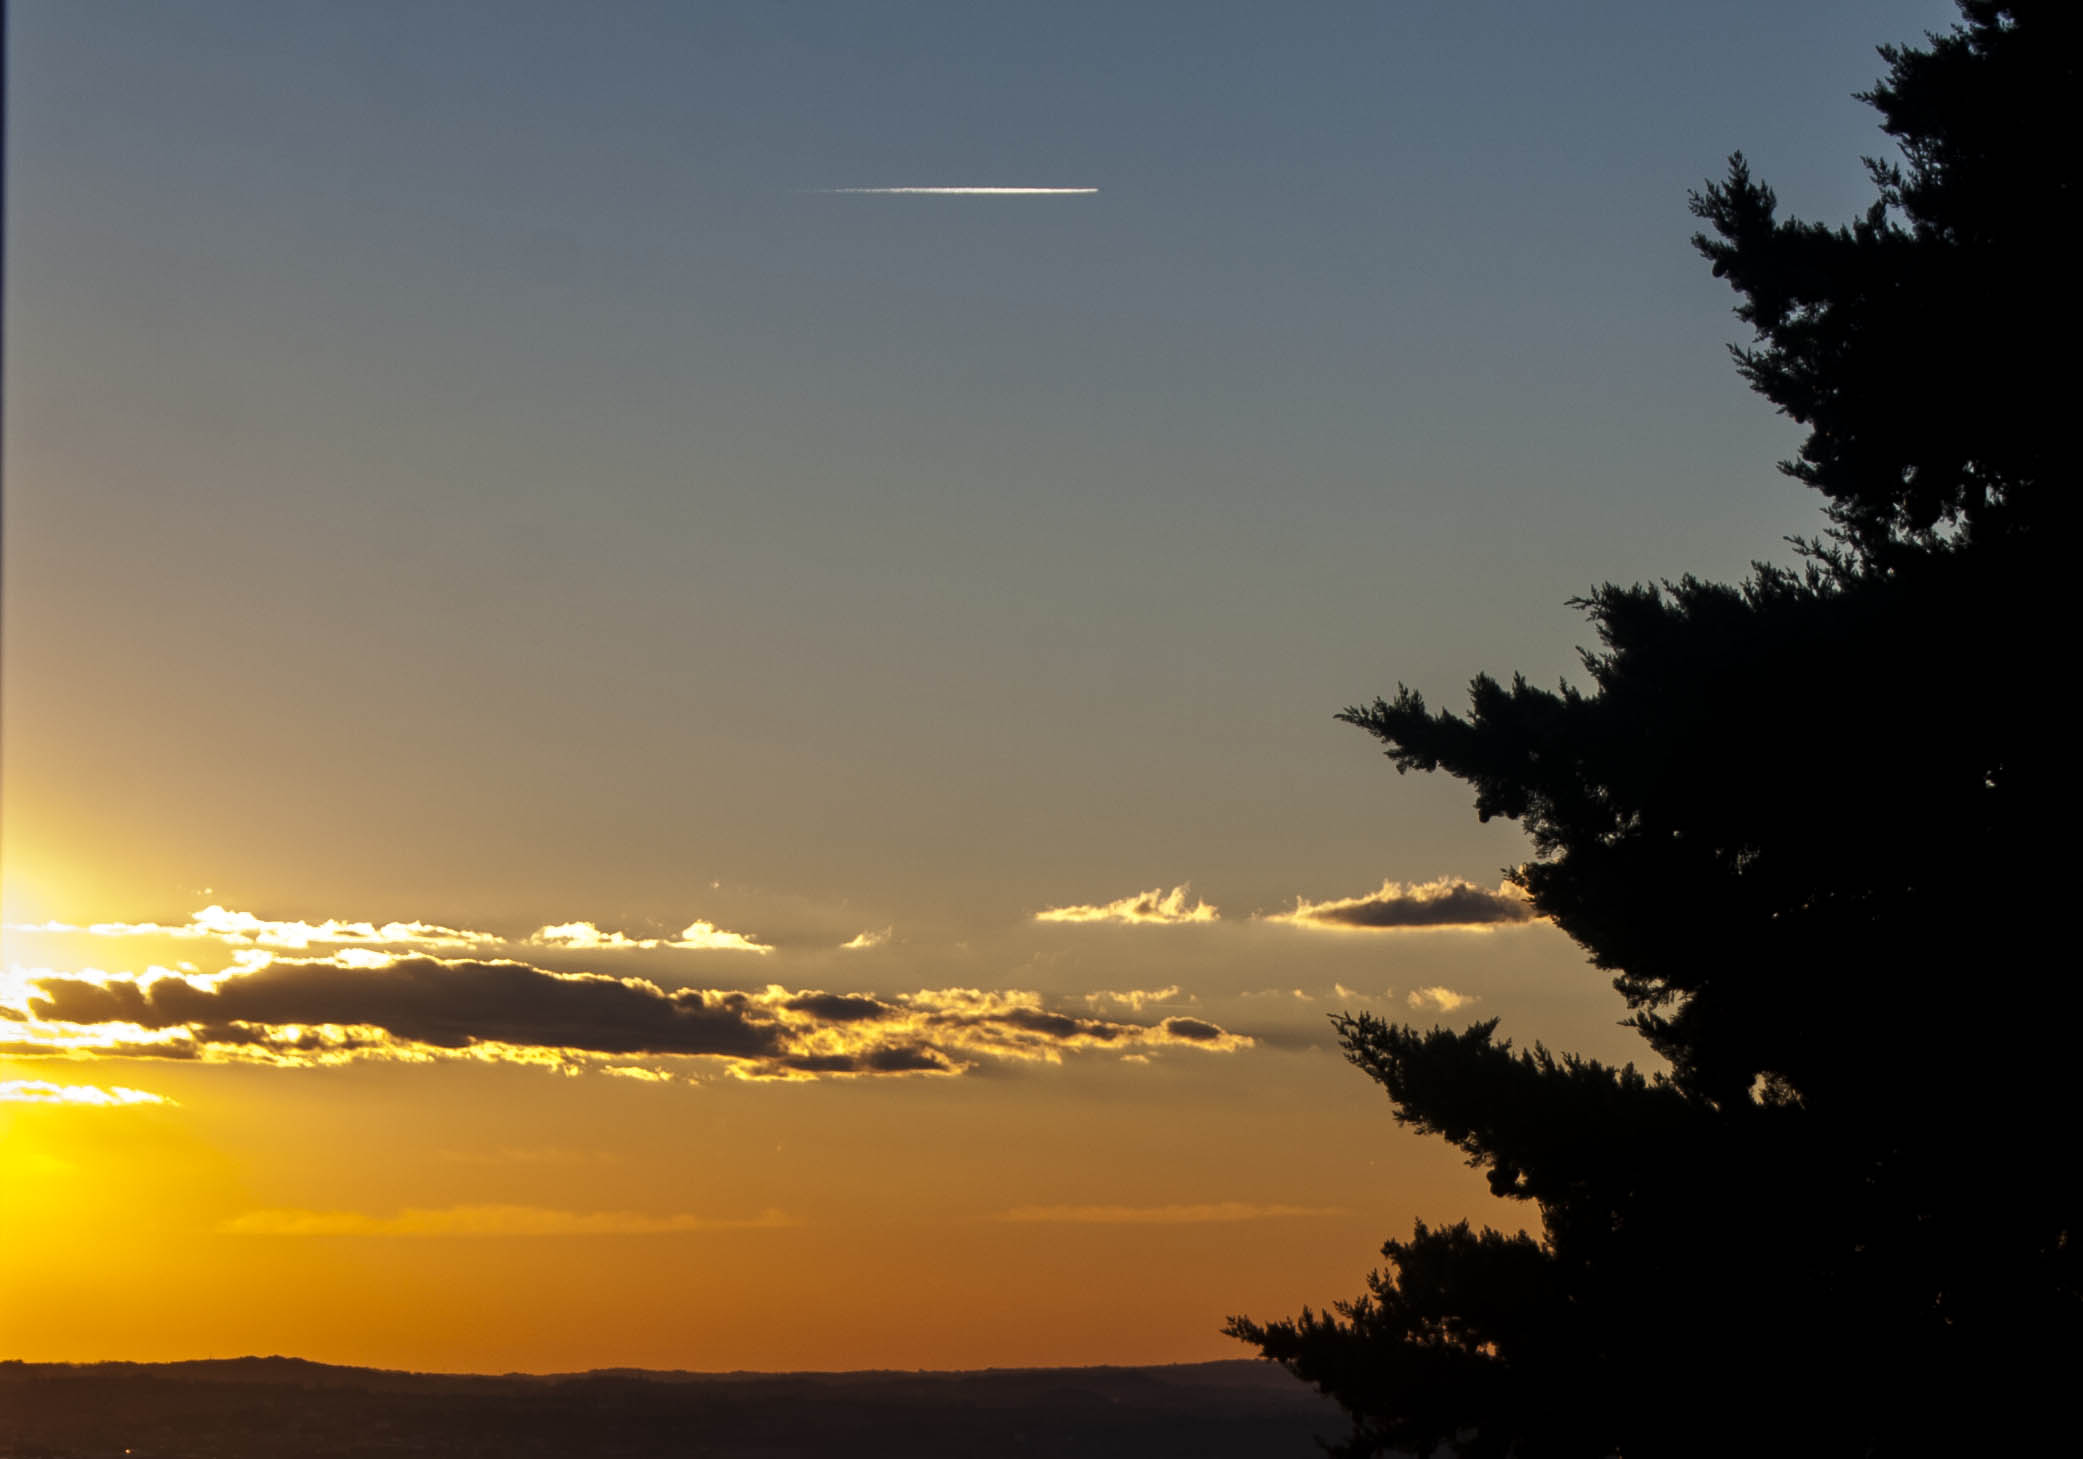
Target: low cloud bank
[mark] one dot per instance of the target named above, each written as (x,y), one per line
(304,1012)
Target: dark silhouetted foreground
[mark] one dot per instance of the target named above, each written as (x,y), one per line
(1815,824)
(264,1408)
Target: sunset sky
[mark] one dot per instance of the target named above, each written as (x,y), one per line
(669,667)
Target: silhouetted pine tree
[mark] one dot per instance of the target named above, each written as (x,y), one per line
(1814,825)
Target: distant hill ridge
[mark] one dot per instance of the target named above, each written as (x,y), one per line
(246,1408)
(276,1368)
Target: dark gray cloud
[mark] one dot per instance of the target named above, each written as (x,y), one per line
(873,1061)
(301,1011)
(839,1007)
(1054,1025)
(1443,903)
(441,1004)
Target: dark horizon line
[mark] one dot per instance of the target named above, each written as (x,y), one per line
(284,1364)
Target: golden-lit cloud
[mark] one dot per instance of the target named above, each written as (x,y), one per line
(585,937)
(246,930)
(707,937)
(946,1030)
(488,1221)
(1154,908)
(1447,902)
(865,940)
(1440,1000)
(243,929)
(308,1012)
(1162,1215)
(1137,998)
(695,937)
(77,1096)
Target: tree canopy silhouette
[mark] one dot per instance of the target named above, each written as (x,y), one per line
(1810,824)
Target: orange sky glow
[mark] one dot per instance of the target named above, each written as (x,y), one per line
(622,750)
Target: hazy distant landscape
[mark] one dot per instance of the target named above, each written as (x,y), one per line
(232,1408)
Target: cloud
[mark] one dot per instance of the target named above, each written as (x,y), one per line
(1162,1215)
(78,1096)
(585,937)
(884,1059)
(944,1030)
(1152,908)
(694,937)
(967,192)
(642,1073)
(486,1221)
(863,941)
(293,1005)
(1442,1000)
(306,1012)
(243,929)
(707,937)
(1136,998)
(839,1007)
(1447,902)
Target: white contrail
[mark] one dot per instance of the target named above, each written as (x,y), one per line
(970,192)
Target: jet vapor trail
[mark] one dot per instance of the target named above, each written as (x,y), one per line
(969,192)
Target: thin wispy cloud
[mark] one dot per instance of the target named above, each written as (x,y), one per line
(76,1096)
(1154,908)
(488,1221)
(1137,998)
(531,1155)
(695,937)
(866,940)
(967,192)
(243,929)
(1447,902)
(1162,1215)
